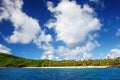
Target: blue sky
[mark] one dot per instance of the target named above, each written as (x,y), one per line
(60,29)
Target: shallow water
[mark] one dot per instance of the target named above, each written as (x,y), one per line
(59,74)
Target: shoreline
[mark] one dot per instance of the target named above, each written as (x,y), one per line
(64,67)
(72,67)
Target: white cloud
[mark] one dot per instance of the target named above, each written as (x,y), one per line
(50,54)
(72,23)
(4,49)
(50,57)
(43,57)
(75,26)
(77,53)
(118,32)
(26,28)
(114,53)
(43,41)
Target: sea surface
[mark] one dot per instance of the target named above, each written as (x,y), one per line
(59,74)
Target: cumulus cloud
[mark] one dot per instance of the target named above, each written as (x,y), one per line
(25,27)
(4,49)
(76,26)
(72,23)
(77,53)
(50,54)
(114,53)
(43,41)
(118,32)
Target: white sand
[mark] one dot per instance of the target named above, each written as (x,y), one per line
(72,67)
(63,67)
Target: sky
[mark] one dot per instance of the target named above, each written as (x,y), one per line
(60,29)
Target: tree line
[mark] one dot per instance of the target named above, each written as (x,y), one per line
(7,60)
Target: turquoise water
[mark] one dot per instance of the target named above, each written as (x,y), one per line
(59,74)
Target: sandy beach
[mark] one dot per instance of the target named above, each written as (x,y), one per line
(63,67)
(72,67)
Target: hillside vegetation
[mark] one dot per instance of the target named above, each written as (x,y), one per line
(7,60)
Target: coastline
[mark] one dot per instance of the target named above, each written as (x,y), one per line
(63,67)
(72,67)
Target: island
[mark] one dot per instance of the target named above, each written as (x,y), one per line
(8,60)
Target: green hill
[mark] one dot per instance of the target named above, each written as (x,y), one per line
(7,60)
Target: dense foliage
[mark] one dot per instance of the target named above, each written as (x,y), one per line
(7,60)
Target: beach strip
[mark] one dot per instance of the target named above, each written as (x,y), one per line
(72,67)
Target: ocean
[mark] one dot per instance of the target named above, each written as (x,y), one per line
(59,74)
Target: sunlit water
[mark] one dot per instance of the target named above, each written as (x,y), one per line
(59,74)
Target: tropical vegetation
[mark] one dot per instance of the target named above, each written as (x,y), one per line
(8,60)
